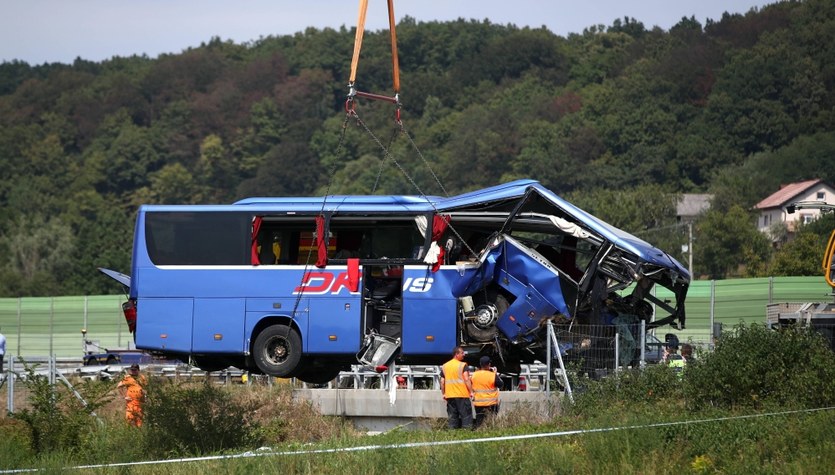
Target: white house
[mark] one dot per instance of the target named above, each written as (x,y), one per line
(773,208)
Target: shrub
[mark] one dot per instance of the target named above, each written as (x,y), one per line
(57,419)
(634,388)
(282,419)
(754,366)
(15,443)
(195,419)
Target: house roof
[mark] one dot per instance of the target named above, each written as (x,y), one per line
(786,193)
(692,204)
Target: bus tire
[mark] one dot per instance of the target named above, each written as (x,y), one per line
(278,350)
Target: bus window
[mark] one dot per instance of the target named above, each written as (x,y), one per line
(393,241)
(287,241)
(374,238)
(177,238)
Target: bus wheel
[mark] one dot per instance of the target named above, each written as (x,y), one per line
(278,350)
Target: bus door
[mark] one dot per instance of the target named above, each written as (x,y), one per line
(382,246)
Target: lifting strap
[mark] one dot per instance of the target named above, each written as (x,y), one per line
(358,40)
(363,9)
(395,65)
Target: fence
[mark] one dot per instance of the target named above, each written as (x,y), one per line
(41,326)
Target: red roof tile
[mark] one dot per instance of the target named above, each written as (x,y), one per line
(786,193)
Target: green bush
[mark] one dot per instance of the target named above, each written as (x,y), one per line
(15,443)
(57,419)
(756,367)
(630,390)
(188,419)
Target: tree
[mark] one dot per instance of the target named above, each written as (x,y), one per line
(39,253)
(800,256)
(729,245)
(803,254)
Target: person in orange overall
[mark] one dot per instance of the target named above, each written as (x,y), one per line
(486,385)
(132,388)
(458,391)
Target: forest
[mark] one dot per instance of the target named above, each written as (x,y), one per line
(619,119)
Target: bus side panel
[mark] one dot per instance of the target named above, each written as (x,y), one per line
(334,325)
(218,325)
(164,324)
(429,326)
(258,309)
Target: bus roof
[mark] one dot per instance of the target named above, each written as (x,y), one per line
(426,204)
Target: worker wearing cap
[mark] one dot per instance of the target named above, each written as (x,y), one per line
(458,391)
(132,388)
(486,385)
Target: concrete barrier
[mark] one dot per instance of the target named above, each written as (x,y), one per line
(371,409)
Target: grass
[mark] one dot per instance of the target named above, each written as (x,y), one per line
(776,444)
(714,439)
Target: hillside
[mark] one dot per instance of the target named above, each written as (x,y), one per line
(614,118)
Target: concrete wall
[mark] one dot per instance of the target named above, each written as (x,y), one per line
(372,408)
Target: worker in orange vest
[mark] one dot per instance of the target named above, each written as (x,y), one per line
(458,391)
(486,385)
(132,388)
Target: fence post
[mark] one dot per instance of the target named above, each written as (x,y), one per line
(548,332)
(85,312)
(19,332)
(771,289)
(712,308)
(51,368)
(617,351)
(10,386)
(642,363)
(51,322)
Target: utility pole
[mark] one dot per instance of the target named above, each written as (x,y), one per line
(690,248)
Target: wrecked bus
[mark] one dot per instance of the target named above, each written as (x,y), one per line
(305,287)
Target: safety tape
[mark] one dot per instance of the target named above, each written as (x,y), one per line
(411,445)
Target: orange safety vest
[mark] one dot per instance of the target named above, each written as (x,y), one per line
(454,385)
(484,387)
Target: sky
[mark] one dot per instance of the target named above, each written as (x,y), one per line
(39,31)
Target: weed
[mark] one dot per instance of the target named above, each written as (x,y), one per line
(196,419)
(57,419)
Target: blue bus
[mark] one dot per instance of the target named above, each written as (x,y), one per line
(306,286)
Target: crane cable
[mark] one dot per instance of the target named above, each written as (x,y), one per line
(350,106)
